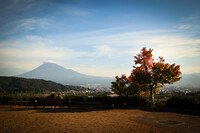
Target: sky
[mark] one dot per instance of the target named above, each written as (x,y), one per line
(97,37)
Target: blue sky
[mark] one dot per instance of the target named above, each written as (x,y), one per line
(97,37)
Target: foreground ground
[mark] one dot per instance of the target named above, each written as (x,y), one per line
(19,119)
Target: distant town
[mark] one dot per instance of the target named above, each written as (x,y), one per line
(175,90)
(169,90)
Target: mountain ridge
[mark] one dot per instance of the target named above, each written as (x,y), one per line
(11,85)
(189,80)
(59,74)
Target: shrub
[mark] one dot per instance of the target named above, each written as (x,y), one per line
(188,102)
(4,98)
(106,100)
(74,98)
(159,104)
(130,101)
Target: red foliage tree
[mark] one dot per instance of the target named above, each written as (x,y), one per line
(147,75)
(153,74)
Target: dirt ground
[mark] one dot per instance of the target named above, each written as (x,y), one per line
(29,120)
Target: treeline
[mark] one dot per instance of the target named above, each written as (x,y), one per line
(21,85)
(181,102)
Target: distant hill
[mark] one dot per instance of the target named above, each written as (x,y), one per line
(15,85)
(59,74)
(189,80)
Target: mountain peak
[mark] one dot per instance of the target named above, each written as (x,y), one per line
(52,65)
(54,72)
(50,61)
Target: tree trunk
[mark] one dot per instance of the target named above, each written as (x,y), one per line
(152,95)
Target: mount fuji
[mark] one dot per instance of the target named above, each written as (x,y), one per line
(59,74)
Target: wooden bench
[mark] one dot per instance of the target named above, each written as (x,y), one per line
(49,102)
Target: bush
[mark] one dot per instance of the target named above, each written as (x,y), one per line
(130,101)
(106,100)
(4,98)
(159,104)
(188,102)
(74,98)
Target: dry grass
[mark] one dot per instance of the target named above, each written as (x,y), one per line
(74,120)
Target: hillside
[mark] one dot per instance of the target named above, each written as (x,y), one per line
(59,74)
(15,85)
(189,80)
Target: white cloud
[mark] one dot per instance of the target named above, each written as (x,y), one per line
(50,61)
(39,39)
(188,70)
(26,58)
(190,18)
(104,50)
(190,23)
(32,23)
(177,52)
(185,26)
(30,52)
(103,71)
(170,43)
(17,26)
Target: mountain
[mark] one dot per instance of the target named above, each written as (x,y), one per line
(59,74)
(22,85)
(189,80)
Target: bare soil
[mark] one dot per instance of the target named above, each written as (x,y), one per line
(19,119)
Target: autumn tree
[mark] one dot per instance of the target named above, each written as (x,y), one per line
(153,75)
(147,75)
(120,86)
(125,86)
